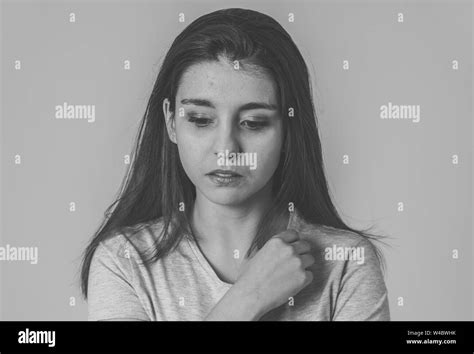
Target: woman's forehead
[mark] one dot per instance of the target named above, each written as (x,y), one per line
(224,81)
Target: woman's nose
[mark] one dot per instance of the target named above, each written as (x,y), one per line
(227,138)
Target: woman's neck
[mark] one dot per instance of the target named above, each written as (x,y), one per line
(228,228)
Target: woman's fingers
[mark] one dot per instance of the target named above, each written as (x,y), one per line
(307,259)
(289,236)
(301,246)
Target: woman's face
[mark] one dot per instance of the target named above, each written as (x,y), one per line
(222,109)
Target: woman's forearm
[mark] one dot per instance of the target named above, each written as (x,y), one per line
(235,305)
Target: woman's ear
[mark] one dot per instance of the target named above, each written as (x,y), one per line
(170,121)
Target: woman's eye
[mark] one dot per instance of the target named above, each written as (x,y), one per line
(199,121)
(254,125)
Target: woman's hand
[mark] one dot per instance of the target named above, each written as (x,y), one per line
(276,272)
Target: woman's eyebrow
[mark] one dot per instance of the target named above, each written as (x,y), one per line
(246,107)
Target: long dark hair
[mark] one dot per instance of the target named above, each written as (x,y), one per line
(156,182)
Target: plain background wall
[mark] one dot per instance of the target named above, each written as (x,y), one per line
(391,161)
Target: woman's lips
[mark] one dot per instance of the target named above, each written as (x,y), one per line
(224,173)
(225,179)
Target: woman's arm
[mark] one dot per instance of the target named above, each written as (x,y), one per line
(362,294)
(235,306)
(276,272)
(111,297)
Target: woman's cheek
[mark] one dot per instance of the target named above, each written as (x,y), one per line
(268,152)
(189,154)
(267,163)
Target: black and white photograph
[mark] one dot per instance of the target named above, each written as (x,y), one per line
(237,161)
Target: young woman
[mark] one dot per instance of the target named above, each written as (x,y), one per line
(226,213)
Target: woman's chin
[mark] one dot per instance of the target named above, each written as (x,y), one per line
(228,197)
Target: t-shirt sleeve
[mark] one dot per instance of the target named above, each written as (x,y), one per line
(362,295)
(110,292)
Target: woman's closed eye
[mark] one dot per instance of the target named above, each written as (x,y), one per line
(199,121)
(254,124)
(202,122)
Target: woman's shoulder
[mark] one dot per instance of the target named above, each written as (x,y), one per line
(340,249)
(139,238)
(325,235)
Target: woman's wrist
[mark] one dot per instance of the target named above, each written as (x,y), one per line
(248,301)
(236,305)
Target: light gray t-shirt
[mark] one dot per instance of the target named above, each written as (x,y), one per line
(348,283)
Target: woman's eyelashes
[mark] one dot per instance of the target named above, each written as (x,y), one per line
(199,121)
(202,122)
(255,124)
